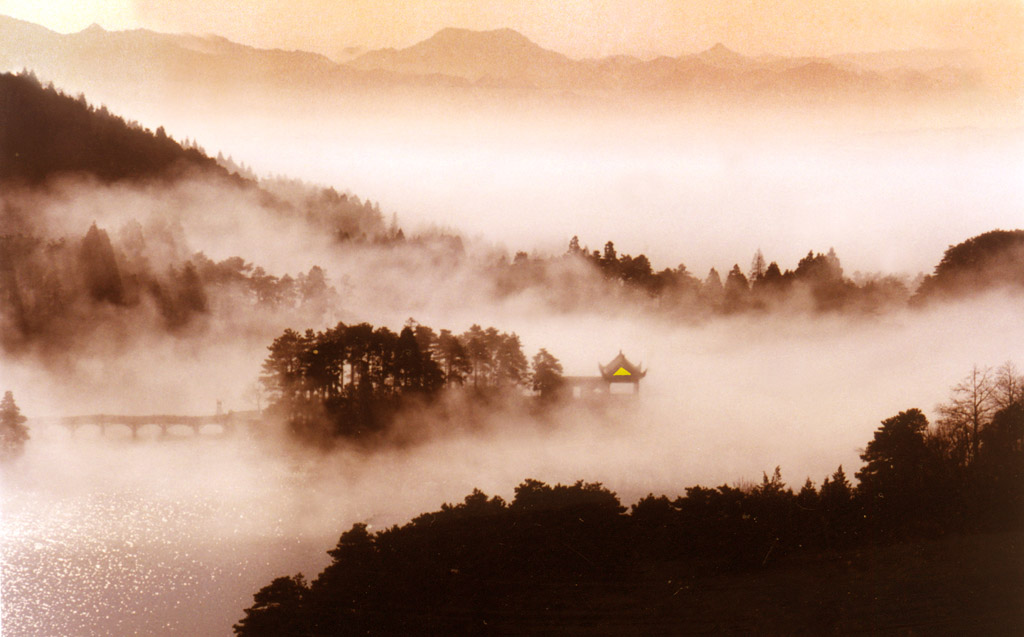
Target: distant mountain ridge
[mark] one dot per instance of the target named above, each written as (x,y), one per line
(502,54)
(455,57)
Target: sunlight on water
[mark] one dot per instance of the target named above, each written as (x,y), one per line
(111,559)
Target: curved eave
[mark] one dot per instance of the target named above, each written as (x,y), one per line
(632,378)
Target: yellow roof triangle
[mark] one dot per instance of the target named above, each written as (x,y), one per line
(622,371)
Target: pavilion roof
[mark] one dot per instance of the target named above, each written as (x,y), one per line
(621,370)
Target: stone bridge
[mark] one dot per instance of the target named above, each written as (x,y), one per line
(220,424)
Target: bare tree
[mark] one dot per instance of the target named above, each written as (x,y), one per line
(254,394)
(970,408)
(758,266)
(1008,386)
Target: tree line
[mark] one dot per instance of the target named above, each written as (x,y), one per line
(48,134)
(991,260)
(55,292)
(350,380)
(557,552)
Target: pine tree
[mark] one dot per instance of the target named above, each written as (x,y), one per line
(736,290)
(13,432)
(547,373)
(574,247)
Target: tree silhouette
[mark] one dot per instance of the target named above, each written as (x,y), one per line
(254,394)
(511,366)
(13,432)
(99,267)
(758,266)
(453,358)
(563,551)
(894,454)
(838,508)
(547,374)
(278,609)
(823,274)
(736,290)
(609,256)
(574,248)
(898,481)
(711,291)
(982,262)
(971,405)
(1008,385)
(351,380)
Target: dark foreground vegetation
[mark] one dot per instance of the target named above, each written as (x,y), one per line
(928,540)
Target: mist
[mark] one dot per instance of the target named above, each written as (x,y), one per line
(105,534)
(723,402)
(705,183)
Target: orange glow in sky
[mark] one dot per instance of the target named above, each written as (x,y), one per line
(575,27)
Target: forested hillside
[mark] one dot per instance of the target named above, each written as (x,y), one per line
(60,288)
(45,133)
(991,260)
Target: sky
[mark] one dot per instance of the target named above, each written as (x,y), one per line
(580,28)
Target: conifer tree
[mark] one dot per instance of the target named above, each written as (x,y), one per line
(13,432)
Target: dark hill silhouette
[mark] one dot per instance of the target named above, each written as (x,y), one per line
(568,559)
(44,133)
(989,260)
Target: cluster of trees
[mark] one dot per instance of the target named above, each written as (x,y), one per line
(818,282)
(559,551)
(343,216)
(350,380)
(13,432)
(52,292)
(992,259)
(980,429)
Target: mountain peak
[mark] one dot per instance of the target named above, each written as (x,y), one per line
(722,56)
(720,51)
(500,55)
(466,36)
(94,28)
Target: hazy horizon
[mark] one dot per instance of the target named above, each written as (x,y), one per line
(581,29)
(160,293)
